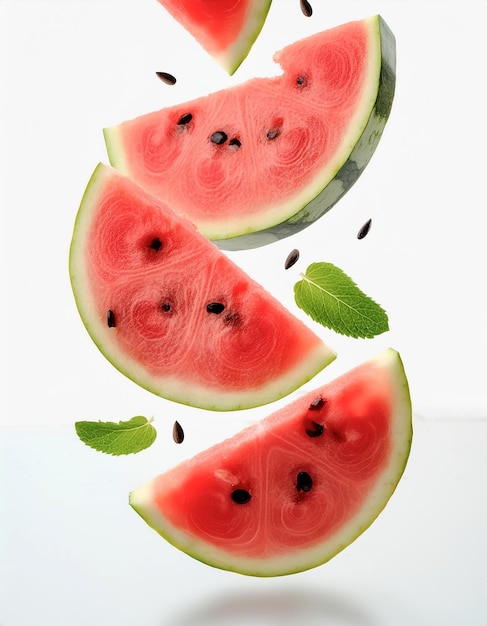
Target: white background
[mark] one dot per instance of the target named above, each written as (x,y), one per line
(71,549)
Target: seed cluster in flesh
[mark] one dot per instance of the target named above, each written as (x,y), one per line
(304,481)
(171,305)
(270,136)
(296,481)
(208,329)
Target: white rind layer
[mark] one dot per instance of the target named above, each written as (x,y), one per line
(389,362)
(183,390)
(234,56)
(284,218)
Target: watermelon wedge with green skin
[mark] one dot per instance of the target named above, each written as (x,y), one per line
(173,312)
(226,29)
(289,493)
(264,159)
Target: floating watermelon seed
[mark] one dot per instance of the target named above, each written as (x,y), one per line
(169,79)
(240,496)
(235,143)
(185,119)
(156,244)
(304,482)
(292,257)
(316,429)
(306,8)
(364,229)
(110,319)
(177,432)
(219,137)
(316,404)
(215,307)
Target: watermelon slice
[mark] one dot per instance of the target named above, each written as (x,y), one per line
(264,159)
(173,313)
(227,29)
(289,493)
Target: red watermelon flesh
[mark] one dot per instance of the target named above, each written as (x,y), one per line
(174,313)
(290,492)
(261,160)
(226,29)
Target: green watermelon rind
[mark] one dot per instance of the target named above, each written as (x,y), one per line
(235,55)
(358,147)
(330,183)
(141,499)
(172,388)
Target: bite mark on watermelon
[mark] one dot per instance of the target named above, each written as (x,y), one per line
(293,144)
(226,29)
(174,313)
(277,498)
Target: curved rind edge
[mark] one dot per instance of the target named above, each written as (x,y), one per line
(329,184)
(175,389)
(351,169)
(239,51)
(140,499)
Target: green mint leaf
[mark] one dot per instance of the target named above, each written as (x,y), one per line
(332,299)
(127,437)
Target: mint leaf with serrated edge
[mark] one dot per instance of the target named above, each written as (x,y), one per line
(332,299)
(125,437)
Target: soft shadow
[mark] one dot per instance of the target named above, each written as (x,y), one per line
(285,607)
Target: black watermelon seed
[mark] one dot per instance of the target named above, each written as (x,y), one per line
(215,307)
(219,137)
(306,8)
(291,259)
(110,319)
(235,142)
(241,496)
(167,78)
(273,133)
(166,306)
(316,429)
(177,432)
(156,244)
(317,404)
(301,81)
(304,482)
(364,229)
(185,119)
